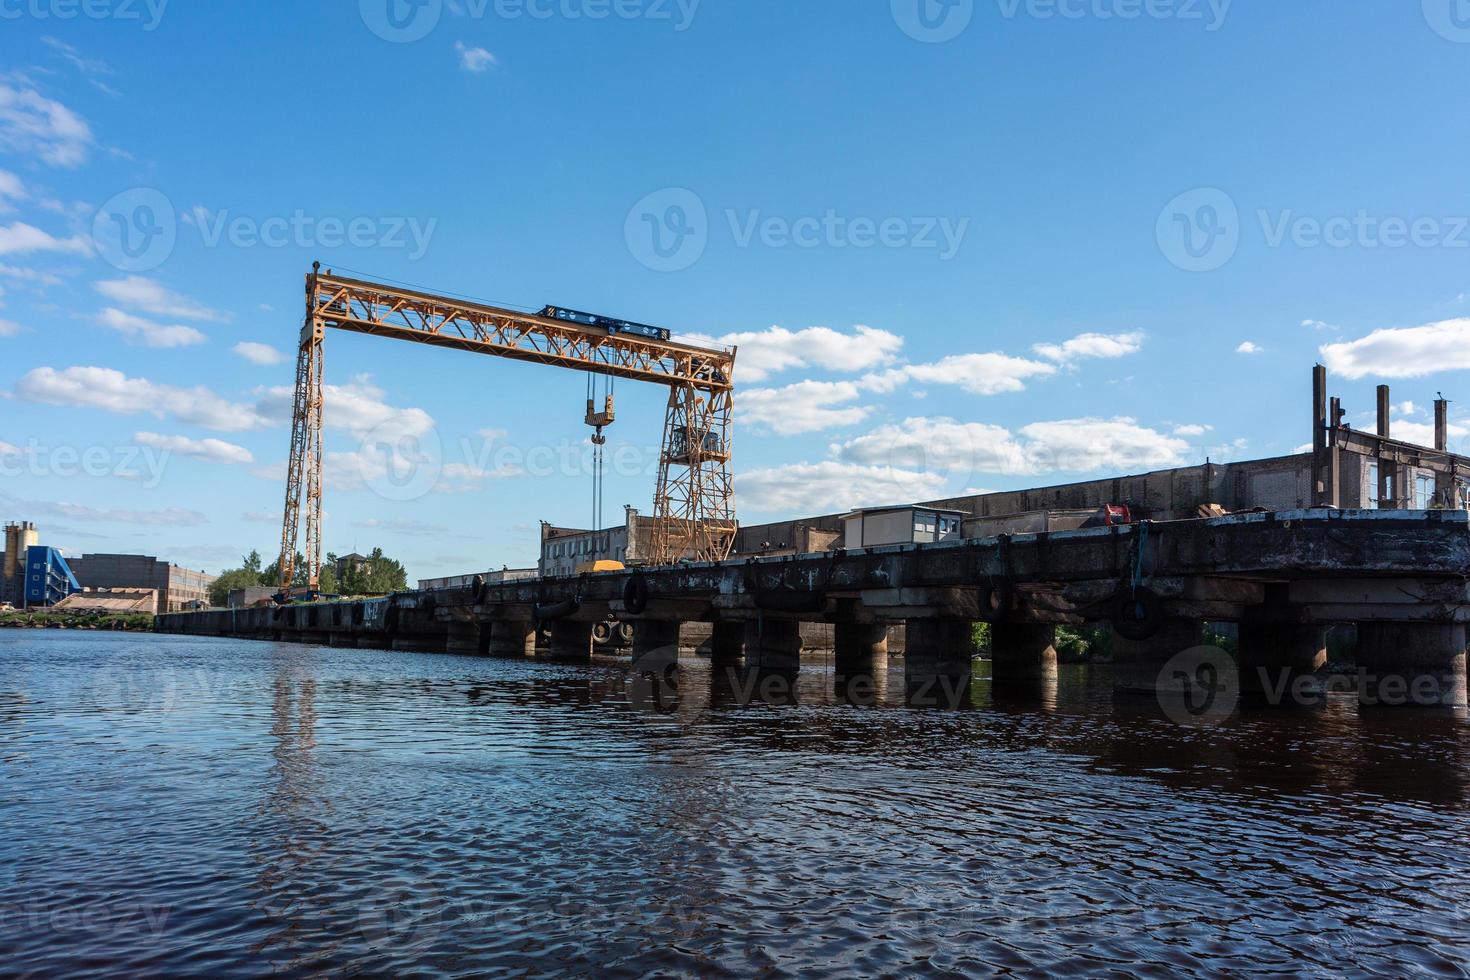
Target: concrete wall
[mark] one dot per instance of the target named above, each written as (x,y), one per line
(177,587)
(1279,483)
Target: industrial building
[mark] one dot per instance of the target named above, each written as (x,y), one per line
(20,537)
(875,527)
(178,589)
(48,578)
(497,576)
(565,549)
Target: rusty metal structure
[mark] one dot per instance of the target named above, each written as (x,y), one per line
(694,504)
(1334,441)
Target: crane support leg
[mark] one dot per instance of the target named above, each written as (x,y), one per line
(694,503)
(304,469)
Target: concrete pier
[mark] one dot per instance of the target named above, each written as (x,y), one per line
(1022,651)
(1139,664)
(939,662)
(463,638)
(860,647)
(1276,657)
(773,645)
(1414,664)
(655,637)
(1401,575)
(512,638)
(727,643)
(571,640)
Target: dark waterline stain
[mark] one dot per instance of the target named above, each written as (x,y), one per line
(229,808)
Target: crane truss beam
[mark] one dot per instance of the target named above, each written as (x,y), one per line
(694,510)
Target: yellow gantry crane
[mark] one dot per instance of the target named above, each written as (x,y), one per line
(694,501)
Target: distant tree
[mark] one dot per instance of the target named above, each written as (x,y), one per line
(235,578)
(376,575)
(271,574)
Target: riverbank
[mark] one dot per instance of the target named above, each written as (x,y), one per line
(135,623)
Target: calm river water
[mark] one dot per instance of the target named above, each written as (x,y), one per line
(217,807)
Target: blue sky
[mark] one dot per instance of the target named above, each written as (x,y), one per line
(1044,241)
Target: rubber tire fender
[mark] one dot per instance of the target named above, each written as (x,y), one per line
(997,600)
(635,595)
(556,610)
(1137,614)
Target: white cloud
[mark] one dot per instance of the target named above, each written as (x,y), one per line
(148,333)
(8,328)
(1403,352)
(939,445)
(1247,347)
(19,238)
(807,406)
(25,274)
(1319,325)
(257,353)
(33,125)
(213,450)
(1092,345)
(1087,445)
(112,391)
(767,352)
(11,190)
(826,487)
(474,59)
(151,296)
(168,517)
(1422,433)
(978,374)
(943,445)
(401,525)
(358,407)
(1189,431)
(87,66)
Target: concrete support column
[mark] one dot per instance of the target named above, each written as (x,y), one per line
(512,638)
(570,641)
(938,662)
(420,642)
(774,645)
(655,636)
(1411,664)
(727,643)
(860,662)
(860,647)
(1137,664)
(1022,650)
(463,637)
(1274,655)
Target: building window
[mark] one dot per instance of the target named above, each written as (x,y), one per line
(1423,491)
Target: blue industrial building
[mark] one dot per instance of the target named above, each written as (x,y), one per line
(48,577)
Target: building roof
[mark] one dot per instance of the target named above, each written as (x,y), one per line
(898,507)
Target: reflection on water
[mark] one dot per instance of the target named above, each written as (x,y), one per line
(210,806)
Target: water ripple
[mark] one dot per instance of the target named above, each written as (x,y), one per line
(191,805)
